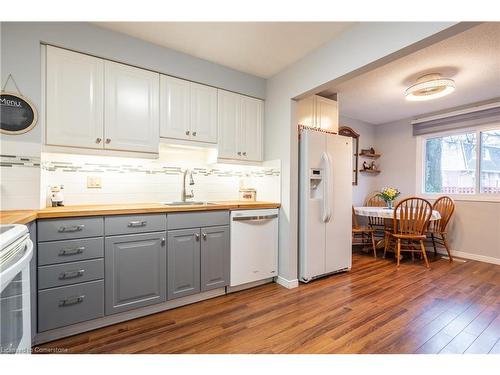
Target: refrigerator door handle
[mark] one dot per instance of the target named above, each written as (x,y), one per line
(326,187)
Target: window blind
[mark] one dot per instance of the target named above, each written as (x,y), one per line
(465,118)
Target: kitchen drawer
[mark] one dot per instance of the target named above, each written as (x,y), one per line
(130,224)
(70,251)
(70,273)
(65,229)
(59,307)
(180,220)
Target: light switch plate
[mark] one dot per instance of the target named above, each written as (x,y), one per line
(94,182)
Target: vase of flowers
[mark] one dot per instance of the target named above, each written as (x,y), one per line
(389,195)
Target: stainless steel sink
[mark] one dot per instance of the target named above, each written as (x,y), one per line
(188,203)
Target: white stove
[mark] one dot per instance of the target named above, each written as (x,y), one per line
(16,251)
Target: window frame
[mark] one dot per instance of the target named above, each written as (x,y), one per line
(420,161)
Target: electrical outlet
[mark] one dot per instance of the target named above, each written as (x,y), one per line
(94,182)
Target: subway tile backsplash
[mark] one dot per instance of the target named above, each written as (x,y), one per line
(15,161)
(127,180)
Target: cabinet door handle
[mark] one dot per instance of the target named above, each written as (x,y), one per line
(71,300)
(187,132)
(204,235)
(108,140)
(73,228)
(71,274)
(245,154)
(197,236)
(98,140)
(239,153)
(194,134)
(138,223)
(163,241)
(73,251)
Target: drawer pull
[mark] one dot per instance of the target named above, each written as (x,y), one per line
(74,228)
(73,251)
(71,274)
(204,235)
(137,223)
(197,236)
(71,300)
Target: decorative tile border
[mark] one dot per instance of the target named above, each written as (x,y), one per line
(154,169)
(16,161)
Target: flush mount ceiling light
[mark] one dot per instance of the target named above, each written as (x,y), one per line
(430,86)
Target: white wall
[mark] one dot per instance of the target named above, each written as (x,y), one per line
(397,145)
(363,46)
(366,181)
(474,231)
(21,57)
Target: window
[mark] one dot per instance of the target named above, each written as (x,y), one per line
(466,162)
(490,162)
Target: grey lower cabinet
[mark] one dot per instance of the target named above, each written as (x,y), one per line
(198,260)
(135,271)
(215,255)
(183,262)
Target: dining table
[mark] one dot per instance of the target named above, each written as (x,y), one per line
(387,214)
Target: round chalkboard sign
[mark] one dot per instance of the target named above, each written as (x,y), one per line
(17,114)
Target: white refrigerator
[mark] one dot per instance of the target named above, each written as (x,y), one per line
(325,207)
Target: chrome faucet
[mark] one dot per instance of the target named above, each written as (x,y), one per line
(184,195)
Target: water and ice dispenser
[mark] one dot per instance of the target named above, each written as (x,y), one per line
(316,183)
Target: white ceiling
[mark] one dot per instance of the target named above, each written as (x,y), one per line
(471,58)
(259,48)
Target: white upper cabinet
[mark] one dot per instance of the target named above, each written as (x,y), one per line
(131,108)
(240,123)
(327,114)
(252,115)
(203,113)
(229,119)
(175,108)
(188,110)
(74,99)
(319,112)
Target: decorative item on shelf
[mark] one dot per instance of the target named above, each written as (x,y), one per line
(369,167)
(389,195)
(17,114)
(369,153)
(56,195)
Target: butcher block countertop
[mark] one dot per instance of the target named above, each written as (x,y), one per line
(26,216)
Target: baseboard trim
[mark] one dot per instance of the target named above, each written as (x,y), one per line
(289,284)
(465,255)
(232,289)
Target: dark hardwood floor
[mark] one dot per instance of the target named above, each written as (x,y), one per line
(451,308)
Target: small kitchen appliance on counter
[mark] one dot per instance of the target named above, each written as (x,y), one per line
(56,195)
(249,195)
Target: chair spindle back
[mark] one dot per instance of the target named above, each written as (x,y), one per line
(411,216)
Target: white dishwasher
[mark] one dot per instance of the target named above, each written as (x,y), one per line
(254,245)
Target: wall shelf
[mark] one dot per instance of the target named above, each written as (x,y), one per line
(372,156)
(370,171)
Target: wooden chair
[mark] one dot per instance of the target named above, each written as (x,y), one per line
(437,228)
(410,221)
(380,225)
(359,230)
